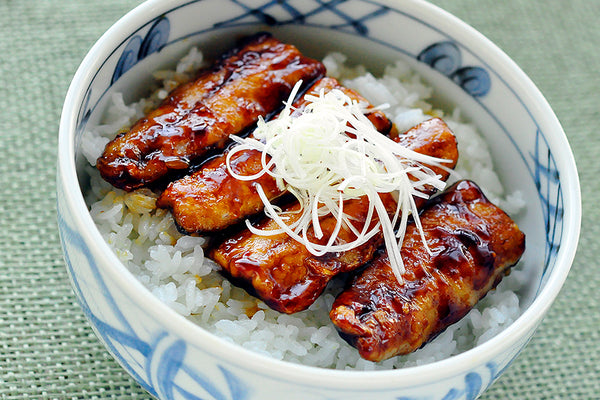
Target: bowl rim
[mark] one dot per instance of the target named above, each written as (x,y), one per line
(520,329)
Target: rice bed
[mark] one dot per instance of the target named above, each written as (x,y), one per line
(174,267)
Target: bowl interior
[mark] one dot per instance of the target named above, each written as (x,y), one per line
(527,144)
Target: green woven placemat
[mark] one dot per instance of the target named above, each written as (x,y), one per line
(47,349)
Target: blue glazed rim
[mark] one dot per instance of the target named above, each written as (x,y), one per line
(566,160)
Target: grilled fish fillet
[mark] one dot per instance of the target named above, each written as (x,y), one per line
(211,199)
(283,273)
(196,117)
(473,244)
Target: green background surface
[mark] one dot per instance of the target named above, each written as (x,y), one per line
(48,350)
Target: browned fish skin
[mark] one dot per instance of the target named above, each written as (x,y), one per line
(200,115)
(211,199)
(283,273)
(473,243)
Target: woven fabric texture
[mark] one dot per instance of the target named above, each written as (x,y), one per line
(47,348)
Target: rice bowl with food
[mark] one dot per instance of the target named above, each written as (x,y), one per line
(166,312)
(176,269)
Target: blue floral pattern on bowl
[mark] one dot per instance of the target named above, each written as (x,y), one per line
(139,48)
(445,57)
(158,359)
(162,355)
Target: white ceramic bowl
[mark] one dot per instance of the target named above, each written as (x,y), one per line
(174,359)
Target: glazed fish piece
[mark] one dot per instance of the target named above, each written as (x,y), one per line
(224,100)
(283,273)
(211,199)
(473,244)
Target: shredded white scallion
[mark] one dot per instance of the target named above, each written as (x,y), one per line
(329,153)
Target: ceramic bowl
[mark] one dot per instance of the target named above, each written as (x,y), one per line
(174,359)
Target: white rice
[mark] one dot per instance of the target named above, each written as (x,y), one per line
(174,267)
